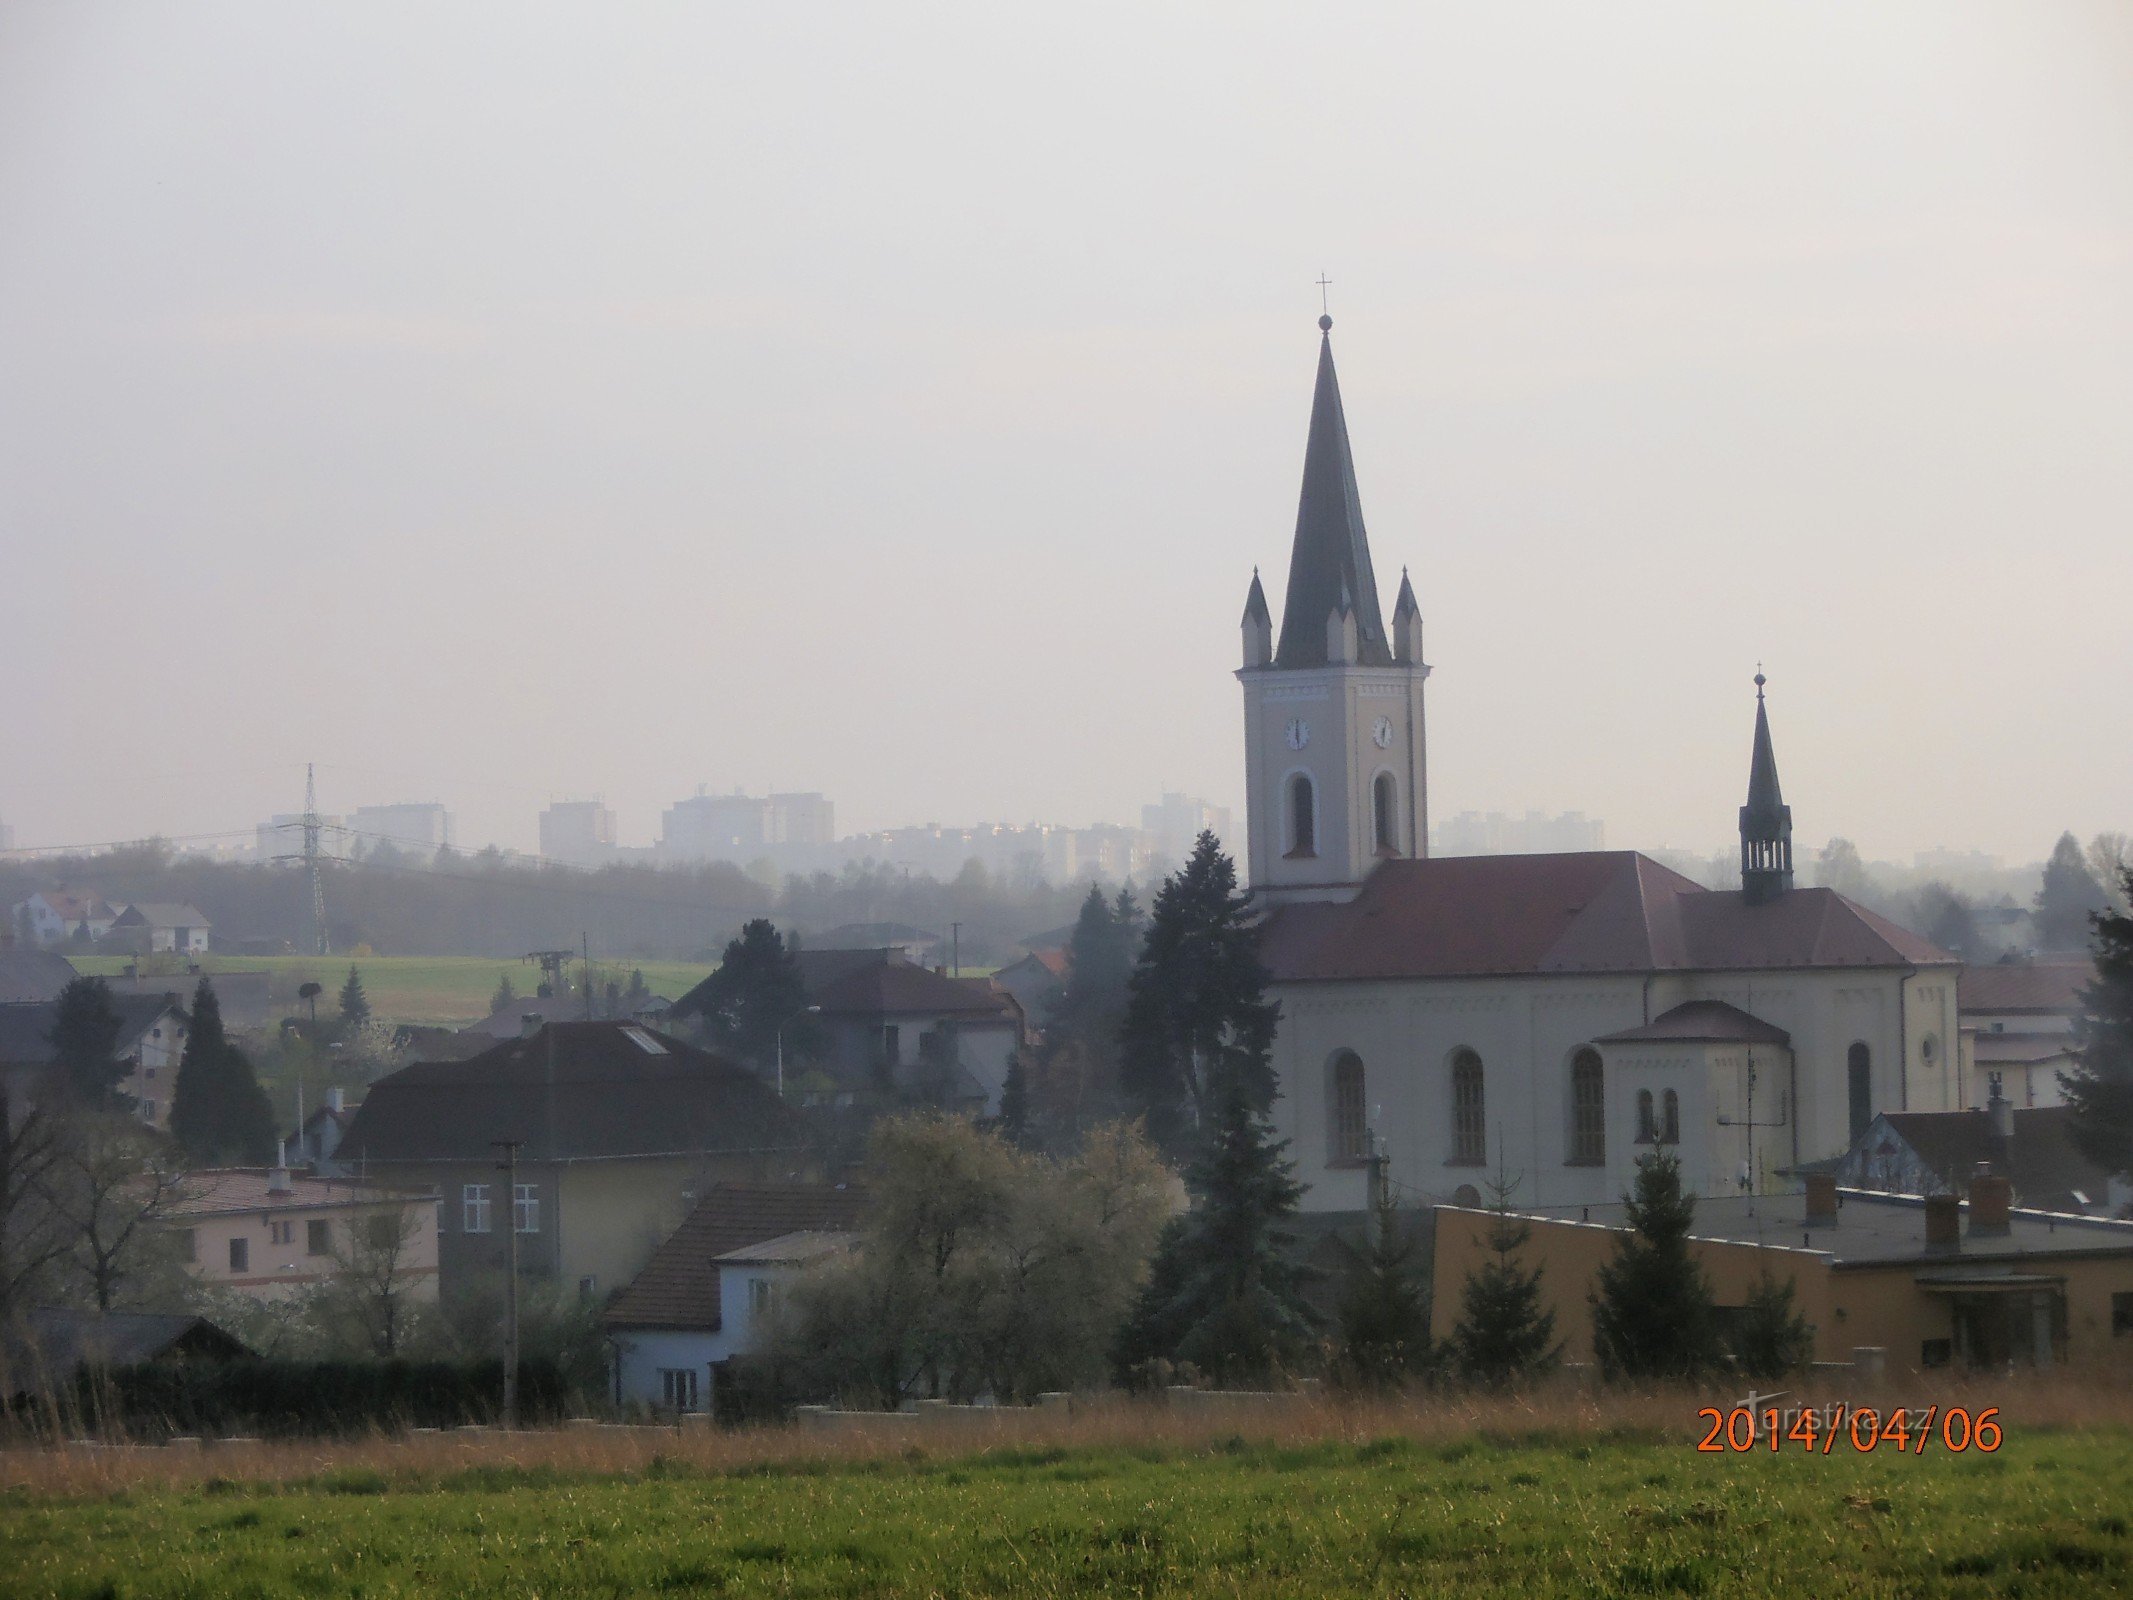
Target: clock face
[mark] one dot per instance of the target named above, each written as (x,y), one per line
(1299,733)
(1381,733)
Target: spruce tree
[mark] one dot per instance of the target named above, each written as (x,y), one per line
(505,997)
(1225,1291)
(218,1112)
(1504,1333)
(355,1004)
(1014,1103)
(2099,1091)
(1383,1316)
(1197,1022)
(1769,1339)
(85,1036)
(2068,897)
(1653,1316)
(755,992)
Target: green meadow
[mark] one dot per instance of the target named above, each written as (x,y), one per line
(1549,1515)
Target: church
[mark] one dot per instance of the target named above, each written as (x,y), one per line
(1562,1015)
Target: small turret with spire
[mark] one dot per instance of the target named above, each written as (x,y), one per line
(1406,625)
(1765,821)
(1258,627)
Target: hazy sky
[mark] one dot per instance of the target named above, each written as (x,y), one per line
(497,403)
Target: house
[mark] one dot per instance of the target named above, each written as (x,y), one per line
(1937,1152)
(157,928)
(1938,1281)
(1035,981)
(27,974)
(889,1020)
(62,916)
(1562,1013)
(271,1232)
(55,1343)
(614,1126)
(151,1041)
(2018,1025)
(318,1136)
(700,1298)
(914,944)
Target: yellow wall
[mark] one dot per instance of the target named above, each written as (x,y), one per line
(275,1270)
(614,1214)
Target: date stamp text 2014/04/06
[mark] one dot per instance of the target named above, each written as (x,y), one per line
(1825,1429)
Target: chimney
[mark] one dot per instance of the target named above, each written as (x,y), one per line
(1990,1197)
(336,1100)
(278,1180)
(1943,1225)
(529,1024)
(1821,1200)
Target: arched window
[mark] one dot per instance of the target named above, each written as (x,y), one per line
(1470,1140)
(1385,804)
(1859,1072)
(1303,818)
(1647,1121)
(1670,1120)
(1588,1110)
(1348,1124)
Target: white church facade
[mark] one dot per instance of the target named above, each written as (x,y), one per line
(1560,1015)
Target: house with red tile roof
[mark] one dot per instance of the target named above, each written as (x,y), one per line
(2018,1025)
(1563,1015)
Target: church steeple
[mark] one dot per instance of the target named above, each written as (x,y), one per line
(1765,821)
(1331,556)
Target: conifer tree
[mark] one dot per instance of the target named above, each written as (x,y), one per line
(1197,1022)
(1770,1339)
(218,1112)
(355,1004)
(505,997)
(1504,1333)
(1014,1103)
(1653,1316)
(756,991)
(85,1036)
(1383,1317)
(2099,1091)
(2068,897)
(1225,1292)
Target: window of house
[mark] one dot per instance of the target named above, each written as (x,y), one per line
(474,1208)
(148,1111)
(1470,1144)
(1384,804)
(1349,1124)
(1859,1076)
(762,1293)
(526,1208)
(677,1388)
(1647,1119)
(1588,1110)
(281,1233)
(240,1255)
(318,1238)
(1303,819)
(1670,1118)
(892,1045)
(188,1245)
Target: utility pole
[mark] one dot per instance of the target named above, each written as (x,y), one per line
(586,950)
(510,1148)
(955,935)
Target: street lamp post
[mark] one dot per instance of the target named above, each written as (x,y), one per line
(804,1011)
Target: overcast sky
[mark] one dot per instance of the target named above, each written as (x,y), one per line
(497,403)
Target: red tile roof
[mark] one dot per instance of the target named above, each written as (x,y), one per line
(678,1287)
(243,1189)
(2048,986)
(1589,911)
(892,988)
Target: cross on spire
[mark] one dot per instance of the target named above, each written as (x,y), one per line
(1324,283)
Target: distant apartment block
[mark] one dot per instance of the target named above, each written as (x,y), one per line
(420,827)
(1475,833)
(578,833)
(740,827)
(1176,821)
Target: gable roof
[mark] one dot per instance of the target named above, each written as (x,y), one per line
(678,1287)
(57,1341)
(33,975)
(574,1091)
(163,914)
(1586,911)
(2052,987)
(1701,1022)
(902,988)
(26,1027)
(2041,1160)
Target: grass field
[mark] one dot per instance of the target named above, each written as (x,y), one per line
(429,989)
(1370,1503)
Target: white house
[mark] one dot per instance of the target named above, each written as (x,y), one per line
(1555,1015)
(57,916)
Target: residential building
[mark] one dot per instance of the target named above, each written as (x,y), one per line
(613,1126)
(739,828)
(1035,981)
(32,974)
(62,916)
(1173,825)
(416,827)
(151,1040)
(272,1232)
(577,833)
(2018,1024)
(1938,1152)
(155,928)
(1563,1013)
(1923,1282)
(318,1136)
(702,1297)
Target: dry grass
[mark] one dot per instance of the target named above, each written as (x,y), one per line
(2063,1401)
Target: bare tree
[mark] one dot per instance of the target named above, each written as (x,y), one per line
(33,1236)
(110,1187)
(371,1292)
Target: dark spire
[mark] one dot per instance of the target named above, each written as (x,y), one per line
(1331,553)
(1255,603)
(1765,821)
(1406,605)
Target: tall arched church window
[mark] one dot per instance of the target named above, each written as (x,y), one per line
(1385,806)
(1588,1110)
(1470,1140)
(1303,816)
(1859,1080)
(1349,1122)
(1647,1119)
(1670,1119)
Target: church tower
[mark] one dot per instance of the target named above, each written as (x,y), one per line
(1765,821)
(1333,736)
